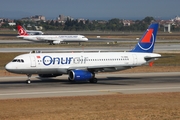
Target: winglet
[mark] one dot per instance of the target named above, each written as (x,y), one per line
(21,30)
(146,43)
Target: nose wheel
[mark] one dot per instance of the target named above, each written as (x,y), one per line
(28,81)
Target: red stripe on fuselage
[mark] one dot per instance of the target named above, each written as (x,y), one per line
(147,37)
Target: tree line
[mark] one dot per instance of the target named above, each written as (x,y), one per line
(114,24)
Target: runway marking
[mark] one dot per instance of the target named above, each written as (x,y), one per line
(86,91)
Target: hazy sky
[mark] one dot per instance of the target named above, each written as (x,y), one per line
(100,9)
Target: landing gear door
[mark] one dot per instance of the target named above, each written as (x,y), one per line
(134,59)
(33,61)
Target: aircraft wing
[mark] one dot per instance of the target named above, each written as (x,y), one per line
(62,40)
(49,38)
(102,68)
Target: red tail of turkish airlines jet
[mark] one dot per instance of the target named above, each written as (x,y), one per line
(21,30)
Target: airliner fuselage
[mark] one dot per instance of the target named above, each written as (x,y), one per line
(61,63)
(54,39)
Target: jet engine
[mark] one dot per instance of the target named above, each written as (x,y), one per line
(80,75)
(49,75)
(57,42)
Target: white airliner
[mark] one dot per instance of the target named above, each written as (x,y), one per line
(83,66)
(52,39)
(23,31)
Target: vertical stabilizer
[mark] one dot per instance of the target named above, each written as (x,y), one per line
(21,30)
(146,43)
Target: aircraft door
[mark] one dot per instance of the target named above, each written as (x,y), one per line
(134,59)
(33,61)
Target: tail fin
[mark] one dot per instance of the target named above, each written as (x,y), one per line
(146,43)
(21,30)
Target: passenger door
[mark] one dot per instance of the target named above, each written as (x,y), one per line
(33,61)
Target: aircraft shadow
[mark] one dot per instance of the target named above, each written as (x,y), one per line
(107,81)
(33,81)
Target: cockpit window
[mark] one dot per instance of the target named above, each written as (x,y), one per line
(15,60)
(18,60)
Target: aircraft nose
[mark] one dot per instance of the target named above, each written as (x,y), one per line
(86,39)
(8,67)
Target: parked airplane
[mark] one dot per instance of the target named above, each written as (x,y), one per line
(83,66)
(23,31)
(52,39)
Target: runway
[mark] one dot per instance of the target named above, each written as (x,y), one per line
(158,48)
(126,45)
(119,40)
(15,87)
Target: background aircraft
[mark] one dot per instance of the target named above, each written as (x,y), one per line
(23,31)
(52,39)
(83,66)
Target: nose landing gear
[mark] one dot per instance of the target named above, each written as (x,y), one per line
(28,81)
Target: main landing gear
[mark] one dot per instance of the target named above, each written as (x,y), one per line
(28,81)
(93,79)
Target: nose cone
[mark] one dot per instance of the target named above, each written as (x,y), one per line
(85,39)
(9,68)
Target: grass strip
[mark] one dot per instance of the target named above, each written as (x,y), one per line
(152,106)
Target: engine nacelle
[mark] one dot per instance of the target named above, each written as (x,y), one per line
(80,75)
(57,42)
(49,75)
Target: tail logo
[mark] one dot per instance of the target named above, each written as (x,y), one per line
(147,41)
(21,32)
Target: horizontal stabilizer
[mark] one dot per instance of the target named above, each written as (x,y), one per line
(151,58)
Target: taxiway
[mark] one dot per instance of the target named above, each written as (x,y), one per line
(16,87)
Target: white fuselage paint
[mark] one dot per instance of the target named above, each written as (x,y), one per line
(56,39)
(60,63)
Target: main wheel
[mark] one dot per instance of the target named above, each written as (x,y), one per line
(93,80)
